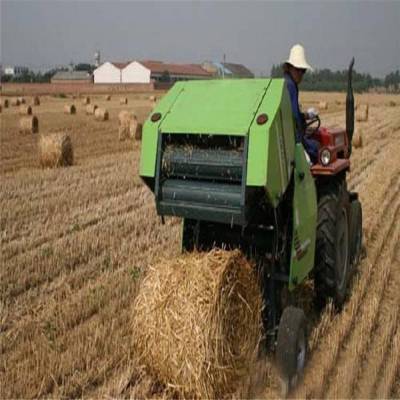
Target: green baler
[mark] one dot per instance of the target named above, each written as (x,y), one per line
(221,154)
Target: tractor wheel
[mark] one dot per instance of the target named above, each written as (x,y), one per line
(355,232)
(332,246)
(291,348)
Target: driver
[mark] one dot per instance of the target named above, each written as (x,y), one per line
(294,69)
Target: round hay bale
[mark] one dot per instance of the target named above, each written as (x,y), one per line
(323,105)
(5,103)
(124,117)
(362,113)
(86,100)
(152,98)
(90,109)
(55,150)
(357,139)
(69,109)
(29,124)
(15,102)
(25,110)
(123,133)
(135,129)
(123,100)
(197,322)
(101,114)
(1,108)
(21,100)
(107,97)
(392,103)
(36,101)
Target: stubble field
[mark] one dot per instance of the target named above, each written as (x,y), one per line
(76,242)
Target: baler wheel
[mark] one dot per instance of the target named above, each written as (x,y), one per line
(355,233)
(291,348)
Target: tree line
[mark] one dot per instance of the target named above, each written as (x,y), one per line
(336,81)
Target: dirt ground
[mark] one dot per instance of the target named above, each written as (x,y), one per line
(76,242)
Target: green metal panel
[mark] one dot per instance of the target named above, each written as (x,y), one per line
(150,132)
(216,107)
(304,220)
(271,146)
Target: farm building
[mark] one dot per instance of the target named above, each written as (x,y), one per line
(228,70)
(75,77)
(147,71)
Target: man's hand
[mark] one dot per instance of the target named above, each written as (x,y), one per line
(311,113)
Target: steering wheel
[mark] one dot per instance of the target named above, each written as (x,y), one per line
(310,132)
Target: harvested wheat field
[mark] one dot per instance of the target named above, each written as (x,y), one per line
(77,242)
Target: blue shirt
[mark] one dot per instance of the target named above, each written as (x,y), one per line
(294,100)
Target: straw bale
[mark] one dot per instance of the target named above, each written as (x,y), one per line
(55,150)
(15,102)
(90,109)
(135,129)
(29,124)
(323,105)
(5,103)
(107,97)
(123,133)
(36,101)
(86,100)
(25,110)
(21,100)
(392,103)
(69,109)
(101,114)
(1,108)
(123,100)
(362,113)
(357,139)
(197,322)
(152,98)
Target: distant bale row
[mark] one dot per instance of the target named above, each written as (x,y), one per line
(129,127)
(362,113)
(55,150)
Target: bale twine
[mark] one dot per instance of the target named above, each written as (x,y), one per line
(135,129)
(357,139)
(69,109)
(15,102)
(107,97)
(86,100)
(323,105)
(36,101)
(55,150)
(29,124)
(25,110)
(90,109)
(197,322)
(123,100)
(5,103)
(101,114)
(362,113)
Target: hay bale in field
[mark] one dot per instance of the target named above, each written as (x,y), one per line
(153,98)
(107,97)
(197,322)
(323,105)
(25,110)
(101,114)
(357,139)
(15,102)
(29,124)
(90,109)
(69,109)
(36,101)
(5,103)
(362,113)
(392,103)
(86,100)
(123,100)
(21,100)
(1,108)
(55,150)
(135,129)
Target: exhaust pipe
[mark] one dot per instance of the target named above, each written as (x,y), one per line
(350,106)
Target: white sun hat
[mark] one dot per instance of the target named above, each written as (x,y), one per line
(297,57)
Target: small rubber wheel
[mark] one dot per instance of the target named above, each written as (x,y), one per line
(355,233)
(291,348)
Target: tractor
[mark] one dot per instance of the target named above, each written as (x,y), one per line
(222,155)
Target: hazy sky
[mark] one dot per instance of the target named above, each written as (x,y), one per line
(43,33)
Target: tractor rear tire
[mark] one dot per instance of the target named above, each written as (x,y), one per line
(291,348)
(355,233)
(332,267)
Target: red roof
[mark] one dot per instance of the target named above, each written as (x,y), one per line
(175,69)
(120,65)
